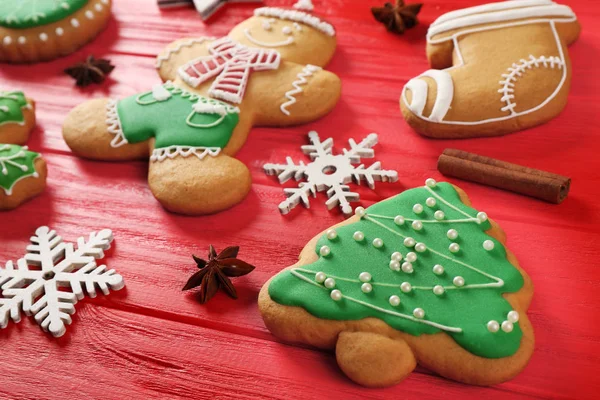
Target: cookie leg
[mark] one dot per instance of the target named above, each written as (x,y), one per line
(194,186)
(374,360)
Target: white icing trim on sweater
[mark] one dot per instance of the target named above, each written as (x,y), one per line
(296,16)
(171,152)
(114,124)
(306,72)
(186,43)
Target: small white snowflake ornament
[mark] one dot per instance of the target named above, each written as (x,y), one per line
(36,291)
(329,172)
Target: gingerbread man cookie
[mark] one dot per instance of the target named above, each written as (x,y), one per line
(17,117)
(39,30)
(419,278)
(267,72)
(498,68)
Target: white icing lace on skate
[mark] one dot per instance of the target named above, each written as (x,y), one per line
(114,124)
(171,152)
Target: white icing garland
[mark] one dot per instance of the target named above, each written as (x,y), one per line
(4,109)
(186,43)
(171,152)
(296,16)
(8,160)
(306,72)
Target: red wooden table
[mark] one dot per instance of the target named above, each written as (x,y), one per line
(151,340)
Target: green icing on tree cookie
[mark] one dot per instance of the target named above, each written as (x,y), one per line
(16,163)
(23,14)
(420,261)
(11,105)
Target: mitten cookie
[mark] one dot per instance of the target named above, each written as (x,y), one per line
(17,117)
(22,175)
(39,30)
(267,71)
(419,278)
(498,68)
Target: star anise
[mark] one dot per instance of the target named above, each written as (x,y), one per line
(92,70)
(397,18)
(215,273)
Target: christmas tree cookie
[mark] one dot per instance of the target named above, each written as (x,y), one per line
(22,175)
(39,30)
(17,117)
(419,278)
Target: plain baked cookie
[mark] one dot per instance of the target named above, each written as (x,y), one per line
(418,278)
(40,30)
(22,175)
(267,71)
(17,117)
(498,68)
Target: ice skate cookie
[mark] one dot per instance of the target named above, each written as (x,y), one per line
(497,68)
(419,278)
(22,175)
(17,117)
(40,30)
(215,90)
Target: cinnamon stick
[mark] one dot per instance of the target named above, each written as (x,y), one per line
(503,175)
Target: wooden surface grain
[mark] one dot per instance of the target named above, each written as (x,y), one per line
(153,341)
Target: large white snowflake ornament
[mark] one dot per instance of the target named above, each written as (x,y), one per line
(329,172)
(60,265)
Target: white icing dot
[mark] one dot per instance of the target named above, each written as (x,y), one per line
(452,234)
(407,267)
(394,265)
(493,326)
(43,37)
(364,277)
(458,281)
(331,234)
(59,31)
(358,236)
(417,225)
(336,295)
(438,290)
(430,182)
(266,25)
(419,313)
(420,247)
(406,287)
(89,14)
(394,300)
(482,216)
(507,326)
(7,40)
(366,287)
(430,202)
(105,1)
(438,269)
(409,242)
(378,243)
(22,39)
(397,256)
(324,251)
(417,208)
(488,245)
(399,220)
(360,211)
(411,257)
(98,7)
(286,30)
(454,247)
(75,23)
(320,277)
(513,316)
(329,283)
(439,215)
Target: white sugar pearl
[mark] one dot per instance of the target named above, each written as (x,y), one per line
(409,242)
(417,208)
(7,40)
(430,202)
(364,277)
(324,251)
(507,326)
(378,243)
(419,313)
(482,216)
(397,256)
(439,215)
(89,14)
(394,265)
(358,236)
(417,225)
(366,287)
(406,287)
(407,267)
(336,295)
(452,234)
(59,31)
(22,39)
(399,220)
(286,30)
(438,290)
(395,300)
(513,316)
(488,245)
(438,269)
(454,247)
(411,257)
(320,277)
(430,182)
(360,211)
(329,283)
(331,234)
(43,37)
(493,326)
(420,247)
(75,23)
(98,7)
(458,281)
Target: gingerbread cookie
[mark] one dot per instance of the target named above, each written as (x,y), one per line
(498,68)
(419,278)
(39,30)
(22,175)
(215,91)
(17,117)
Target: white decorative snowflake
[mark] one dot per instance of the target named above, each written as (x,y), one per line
(36,291)
(330,172)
